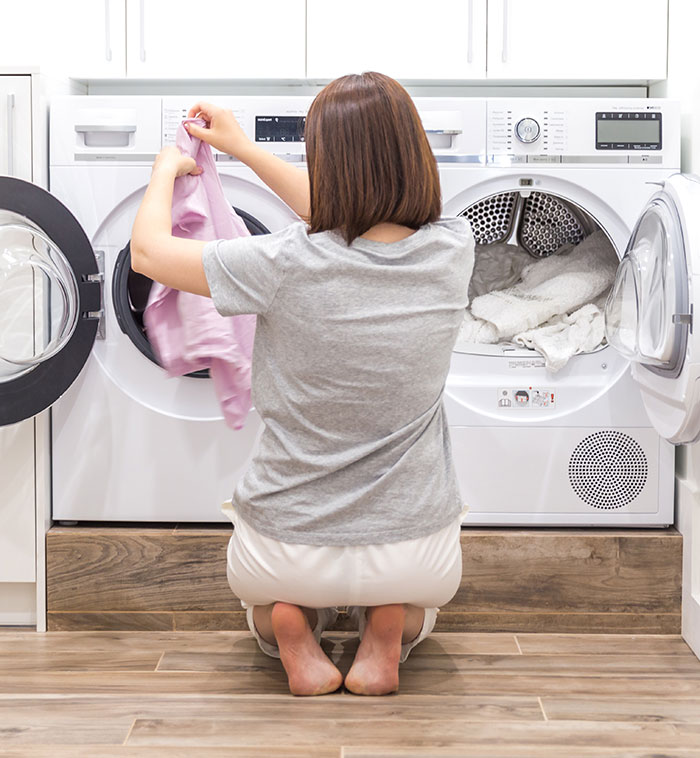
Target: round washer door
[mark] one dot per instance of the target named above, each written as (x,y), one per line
(50,298)
(649,313)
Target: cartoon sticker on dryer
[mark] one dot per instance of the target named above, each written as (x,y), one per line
(522,398)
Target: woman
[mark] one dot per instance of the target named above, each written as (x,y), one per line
(351,498)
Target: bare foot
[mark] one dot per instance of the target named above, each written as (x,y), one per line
(309,670)
(375,670)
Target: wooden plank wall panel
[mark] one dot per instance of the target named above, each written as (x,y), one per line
(620,581)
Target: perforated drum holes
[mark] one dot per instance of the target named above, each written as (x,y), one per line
(546,223)
(608,470)
(490,218)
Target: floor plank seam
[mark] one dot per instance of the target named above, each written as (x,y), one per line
(128,734)
(515,637)
(539,700)
(160,660)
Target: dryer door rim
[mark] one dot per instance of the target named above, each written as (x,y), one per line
(670,385)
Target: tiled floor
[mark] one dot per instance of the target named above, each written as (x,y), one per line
(177,694)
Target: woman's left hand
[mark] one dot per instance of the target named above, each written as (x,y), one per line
(172,161)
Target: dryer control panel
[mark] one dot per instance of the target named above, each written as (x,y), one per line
(583,131)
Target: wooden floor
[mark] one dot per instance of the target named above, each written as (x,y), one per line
(202,694)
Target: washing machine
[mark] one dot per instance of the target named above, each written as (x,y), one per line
(128,443)
(590,444)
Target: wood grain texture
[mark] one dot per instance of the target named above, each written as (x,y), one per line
(618,581)
(71,695)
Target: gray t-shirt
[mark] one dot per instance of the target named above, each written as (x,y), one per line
(352,350)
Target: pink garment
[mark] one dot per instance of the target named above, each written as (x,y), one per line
(186,331)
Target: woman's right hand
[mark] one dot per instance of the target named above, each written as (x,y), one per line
(224,132)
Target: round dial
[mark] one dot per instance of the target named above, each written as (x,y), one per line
(527,130)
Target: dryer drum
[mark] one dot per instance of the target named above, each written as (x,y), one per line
(539,222)
(130,292)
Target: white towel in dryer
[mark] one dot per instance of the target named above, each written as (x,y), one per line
(562,337)
(556,285)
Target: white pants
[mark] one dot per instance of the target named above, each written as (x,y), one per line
(425,572)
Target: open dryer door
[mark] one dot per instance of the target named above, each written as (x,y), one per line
(50,299)
(649,313)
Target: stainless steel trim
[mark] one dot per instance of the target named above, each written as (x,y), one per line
(108,33)
(460,159)
(682,318)
(11,134)
(142,30)
(105,127)
(470,38)
(594,159)
(504,48)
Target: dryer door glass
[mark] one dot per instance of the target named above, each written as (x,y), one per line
(38,297)
(644,313)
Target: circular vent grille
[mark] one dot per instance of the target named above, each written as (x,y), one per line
(608,470)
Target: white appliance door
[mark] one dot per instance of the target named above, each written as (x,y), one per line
(649,313)
(50,298)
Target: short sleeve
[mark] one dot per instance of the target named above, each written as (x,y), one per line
(244,274)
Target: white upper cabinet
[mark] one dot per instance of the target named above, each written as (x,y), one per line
(414,39)
(79,38)
(211,39)
(577,39)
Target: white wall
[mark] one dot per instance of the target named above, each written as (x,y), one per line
(683,84)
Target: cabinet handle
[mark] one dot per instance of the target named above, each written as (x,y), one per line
(504,50)
(11,134)
(108,33)
(470,41)
(142,33)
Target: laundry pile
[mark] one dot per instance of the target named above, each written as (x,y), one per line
(554,305)
(186,331)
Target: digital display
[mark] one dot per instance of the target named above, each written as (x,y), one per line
(279,128)
(628,131)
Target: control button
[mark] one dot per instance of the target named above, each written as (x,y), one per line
(544,158)
(527,130)
(645,159)
(621,146)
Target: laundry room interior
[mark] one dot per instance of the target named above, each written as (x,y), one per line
(564,137)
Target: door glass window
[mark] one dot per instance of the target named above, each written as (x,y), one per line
(38,297)
(650,289)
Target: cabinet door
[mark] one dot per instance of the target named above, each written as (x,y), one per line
(17,507)
(79,38)
(210,39)
(563,39)
(15,126)
(445,39)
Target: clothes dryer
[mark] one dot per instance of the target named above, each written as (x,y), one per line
(588,454)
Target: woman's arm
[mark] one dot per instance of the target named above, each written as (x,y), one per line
(155,253)
(225,133)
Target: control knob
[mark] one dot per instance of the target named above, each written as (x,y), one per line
(527,130)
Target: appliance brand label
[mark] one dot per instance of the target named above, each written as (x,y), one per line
(527,363)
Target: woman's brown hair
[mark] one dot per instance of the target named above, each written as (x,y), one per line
(369,158)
